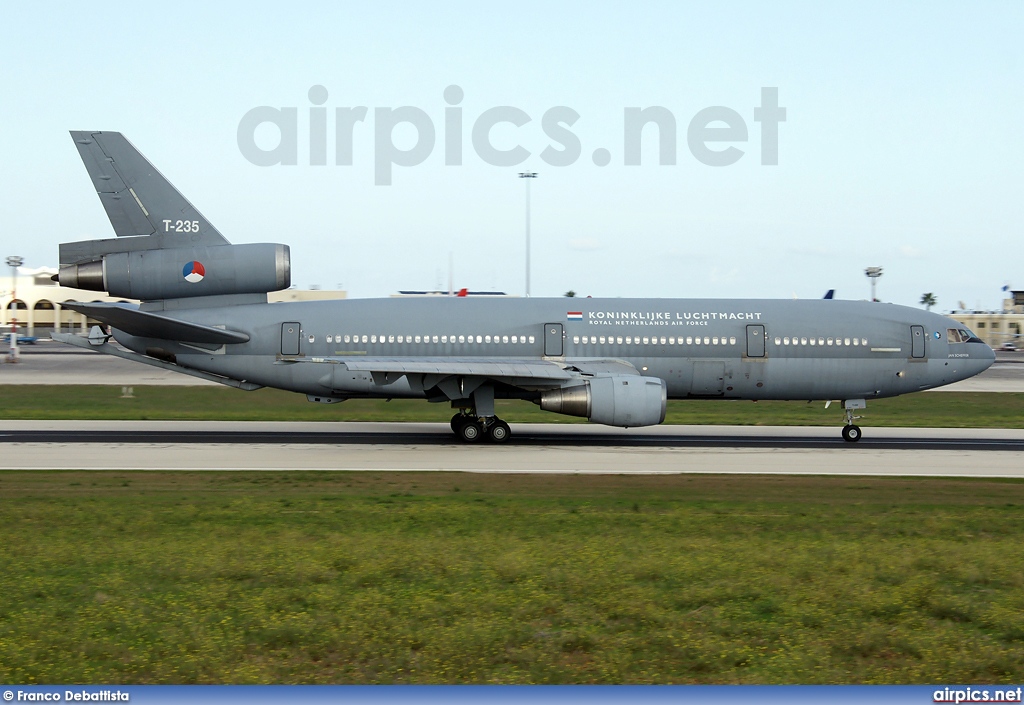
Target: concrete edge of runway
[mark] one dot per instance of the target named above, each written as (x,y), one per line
(580,429)
(791,472)
(545,449)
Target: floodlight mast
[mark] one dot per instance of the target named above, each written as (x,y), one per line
(528,175)
(873,273)
(14,262)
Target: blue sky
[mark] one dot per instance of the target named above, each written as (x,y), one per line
(902,146)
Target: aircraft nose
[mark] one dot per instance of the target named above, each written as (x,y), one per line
(982,356)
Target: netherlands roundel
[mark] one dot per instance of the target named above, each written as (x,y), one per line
(193,272)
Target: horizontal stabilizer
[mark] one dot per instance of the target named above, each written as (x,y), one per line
(137,198)
(80,341)
(150,325)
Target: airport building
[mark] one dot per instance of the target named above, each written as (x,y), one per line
(36,302)
(997,327)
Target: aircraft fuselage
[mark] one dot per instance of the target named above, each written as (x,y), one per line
(704,348)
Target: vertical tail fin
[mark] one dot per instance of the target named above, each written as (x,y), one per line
(137,198)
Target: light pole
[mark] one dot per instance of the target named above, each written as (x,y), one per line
(873,273)
(528,175)
(14,262)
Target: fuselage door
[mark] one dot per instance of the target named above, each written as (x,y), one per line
(755,341)
(708,378)
(290,338)
(917,341)
(553,339)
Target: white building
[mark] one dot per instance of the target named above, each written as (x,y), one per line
(36,301)
(997,327)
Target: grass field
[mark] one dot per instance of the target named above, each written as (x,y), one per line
(940,409)
(155,577)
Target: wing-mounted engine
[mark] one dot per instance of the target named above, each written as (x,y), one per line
(613,400)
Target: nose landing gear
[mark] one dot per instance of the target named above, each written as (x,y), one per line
(851,431)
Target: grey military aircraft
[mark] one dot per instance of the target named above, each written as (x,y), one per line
(204,312)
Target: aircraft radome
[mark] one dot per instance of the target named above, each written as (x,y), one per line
(204,312)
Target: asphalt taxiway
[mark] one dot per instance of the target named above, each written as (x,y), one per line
(535,448)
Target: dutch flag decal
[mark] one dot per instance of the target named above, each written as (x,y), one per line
(574,315)
(193,272)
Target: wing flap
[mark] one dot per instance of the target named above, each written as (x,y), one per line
(151,325)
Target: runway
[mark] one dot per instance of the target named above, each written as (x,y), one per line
(535,448)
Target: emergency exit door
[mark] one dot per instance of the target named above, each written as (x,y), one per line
(755,341)
(553,339)
(290,338)
(916,341)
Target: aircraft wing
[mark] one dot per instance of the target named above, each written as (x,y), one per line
(455,377)
(492,368)
(151,325)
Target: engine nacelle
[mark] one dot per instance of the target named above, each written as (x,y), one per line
(186,272)
(614,400)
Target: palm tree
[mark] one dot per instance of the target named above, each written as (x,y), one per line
(928,300)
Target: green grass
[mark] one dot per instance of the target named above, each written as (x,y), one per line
(156,577)
(942,409)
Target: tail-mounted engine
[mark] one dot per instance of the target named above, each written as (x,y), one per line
(153,274)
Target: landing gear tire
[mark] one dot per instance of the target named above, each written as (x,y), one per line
(470,431)
(851,433)
(499,432)
(457,422)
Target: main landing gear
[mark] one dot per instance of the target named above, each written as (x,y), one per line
(851,431)
(471,429)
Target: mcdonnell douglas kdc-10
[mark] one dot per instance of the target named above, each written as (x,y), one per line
(204,312)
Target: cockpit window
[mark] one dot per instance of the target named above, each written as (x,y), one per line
(961,335)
